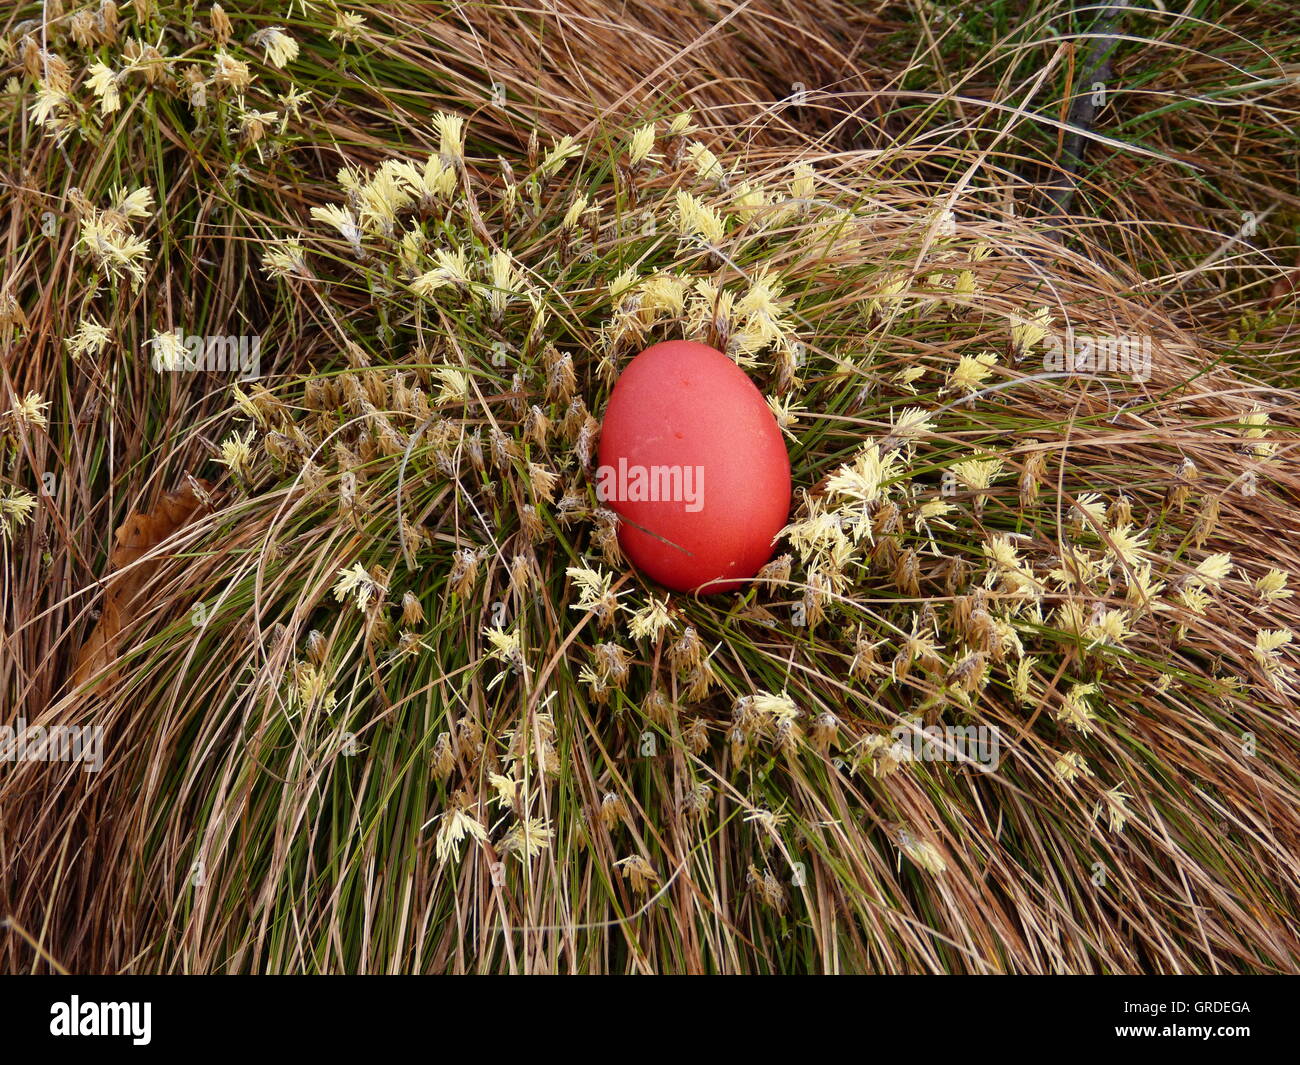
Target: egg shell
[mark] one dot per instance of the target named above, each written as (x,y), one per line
(685,422)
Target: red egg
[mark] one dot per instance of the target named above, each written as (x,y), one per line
(692,461)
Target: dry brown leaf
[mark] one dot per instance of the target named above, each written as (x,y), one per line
(1285,286)
(136,537)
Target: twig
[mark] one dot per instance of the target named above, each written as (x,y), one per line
(1083,113)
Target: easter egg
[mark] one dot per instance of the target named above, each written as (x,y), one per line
(692,461)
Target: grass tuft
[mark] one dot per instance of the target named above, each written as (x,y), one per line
(392,700)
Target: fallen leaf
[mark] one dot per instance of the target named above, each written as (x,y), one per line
(140,534)
(1285,286)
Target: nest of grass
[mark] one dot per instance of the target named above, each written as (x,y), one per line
(378,690)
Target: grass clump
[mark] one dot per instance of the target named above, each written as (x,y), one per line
(395,701)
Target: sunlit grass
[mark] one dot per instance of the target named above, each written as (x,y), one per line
(422,777)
